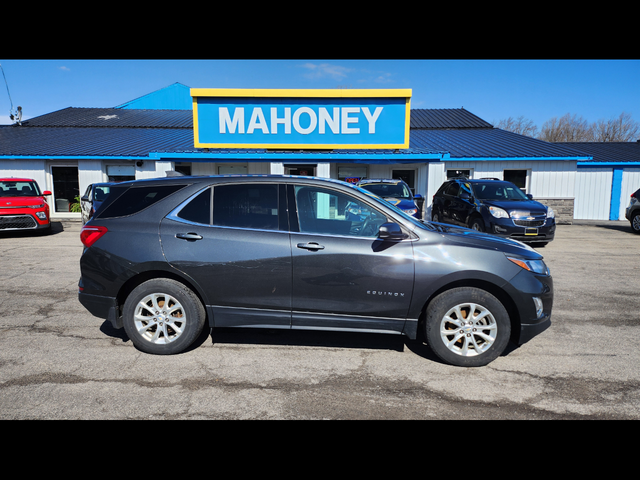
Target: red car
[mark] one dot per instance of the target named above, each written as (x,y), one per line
(23,206)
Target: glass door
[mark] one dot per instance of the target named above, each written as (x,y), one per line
(65,188)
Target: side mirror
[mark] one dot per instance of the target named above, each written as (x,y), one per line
(84,198)
(46,192)
(417,195)
(465,196)
(530,196)
(391,231)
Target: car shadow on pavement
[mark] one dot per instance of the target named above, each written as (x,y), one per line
(625,227)
(304,338)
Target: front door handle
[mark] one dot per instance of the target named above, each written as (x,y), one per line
(311,246)
(189,236)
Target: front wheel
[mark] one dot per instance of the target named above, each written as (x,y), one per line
(467,327)
(635,222)
(163,317)
(477,224)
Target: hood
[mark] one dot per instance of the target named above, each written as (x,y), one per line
(531,206)
(401,203)
(473,238)
(14,202)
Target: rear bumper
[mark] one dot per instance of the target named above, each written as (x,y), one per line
(101,307)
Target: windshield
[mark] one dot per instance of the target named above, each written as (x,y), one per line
(18,188)
(498,191)
(386,190)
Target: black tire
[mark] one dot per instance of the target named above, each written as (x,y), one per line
(158,331)
(635,222)
(470,344)
(476,224)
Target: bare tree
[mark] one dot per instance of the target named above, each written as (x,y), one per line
(520,125)
(621,129)
(568,128)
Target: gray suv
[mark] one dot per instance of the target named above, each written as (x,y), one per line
(633,211)
(165,257)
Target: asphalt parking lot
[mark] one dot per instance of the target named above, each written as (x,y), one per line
(59,362)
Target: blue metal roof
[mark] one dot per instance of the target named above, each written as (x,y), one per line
(608,152)
(489,143)
(446,118)
(135,133)
(113,118)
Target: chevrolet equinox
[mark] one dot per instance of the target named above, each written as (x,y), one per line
(165,257)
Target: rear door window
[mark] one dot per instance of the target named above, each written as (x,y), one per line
(249,205)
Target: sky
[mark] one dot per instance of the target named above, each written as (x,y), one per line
(491,89)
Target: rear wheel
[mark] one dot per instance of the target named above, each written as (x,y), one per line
(635,222)
(163,317)
(467,327)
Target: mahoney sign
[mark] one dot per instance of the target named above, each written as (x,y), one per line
(301,119)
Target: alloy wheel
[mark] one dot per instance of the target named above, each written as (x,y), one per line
(468,329)
(160,318)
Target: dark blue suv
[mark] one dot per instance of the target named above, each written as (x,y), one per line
(394,191)
(493,206)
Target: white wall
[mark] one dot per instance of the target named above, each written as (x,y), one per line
(593,194)
(547,179)
(34,169)
(630,183)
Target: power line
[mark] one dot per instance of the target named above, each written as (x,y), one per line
(13,115)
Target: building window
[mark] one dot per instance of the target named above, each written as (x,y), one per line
(232,170)
(452,173)
(352,173)
(121,173)
(517,177)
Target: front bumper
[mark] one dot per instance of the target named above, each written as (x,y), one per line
(524,287)
(525,234)
(22,221)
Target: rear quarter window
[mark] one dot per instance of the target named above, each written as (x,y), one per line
(135,199)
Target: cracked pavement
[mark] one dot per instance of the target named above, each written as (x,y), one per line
(59,362)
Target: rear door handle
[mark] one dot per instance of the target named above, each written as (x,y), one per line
(311,246)
(189,236)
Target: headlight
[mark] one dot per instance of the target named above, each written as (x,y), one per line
(36,206)
(410,211)
(498,212)
(550,213)
(535,266)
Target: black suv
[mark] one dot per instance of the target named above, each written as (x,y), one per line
(493,206)
(632,212)
(164,257)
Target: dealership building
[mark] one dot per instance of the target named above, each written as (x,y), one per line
(341,134)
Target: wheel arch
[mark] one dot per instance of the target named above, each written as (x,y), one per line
(488,286)
(142,277)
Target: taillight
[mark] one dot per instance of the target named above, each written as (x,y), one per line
(90,234)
